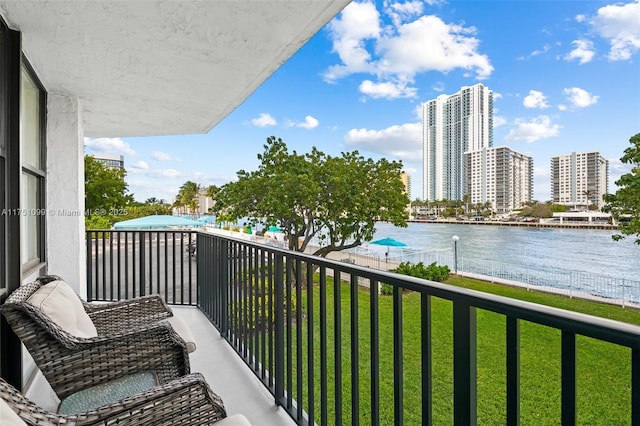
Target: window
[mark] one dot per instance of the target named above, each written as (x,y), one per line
(32,190)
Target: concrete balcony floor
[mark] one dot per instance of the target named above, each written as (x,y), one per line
(223,369)
(228,375)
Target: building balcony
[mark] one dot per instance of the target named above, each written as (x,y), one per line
(285,337)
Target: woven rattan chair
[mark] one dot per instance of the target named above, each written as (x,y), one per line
(132,337)
(184,401)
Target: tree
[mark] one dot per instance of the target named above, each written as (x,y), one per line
(624,205)
(333,199)
(188,196)
(105,190)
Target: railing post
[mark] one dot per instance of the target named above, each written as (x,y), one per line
(398,371)
(635,386)
(568,378)
(223,286)
(513,371)
(279,350)
(464,365)
(143,279)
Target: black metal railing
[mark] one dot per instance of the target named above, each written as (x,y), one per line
(126,264)
(332,350)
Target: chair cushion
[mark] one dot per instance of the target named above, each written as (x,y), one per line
(181,327)
(8,417)
(59,302)
(235,420)
(108,393)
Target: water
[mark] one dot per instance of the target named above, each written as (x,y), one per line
(589,251)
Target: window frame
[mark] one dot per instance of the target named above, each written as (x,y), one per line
(32,265)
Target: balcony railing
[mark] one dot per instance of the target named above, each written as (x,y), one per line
(316,335)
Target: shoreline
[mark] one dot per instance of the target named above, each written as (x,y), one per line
(606,226)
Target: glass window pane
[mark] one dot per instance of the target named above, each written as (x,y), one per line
(30,121)
(30,220)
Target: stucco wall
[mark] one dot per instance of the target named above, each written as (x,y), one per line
(65,191)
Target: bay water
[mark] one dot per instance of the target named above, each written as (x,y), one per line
(564,250)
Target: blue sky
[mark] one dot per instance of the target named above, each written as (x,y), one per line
(565,76)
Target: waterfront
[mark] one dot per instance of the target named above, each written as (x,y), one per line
(589,251)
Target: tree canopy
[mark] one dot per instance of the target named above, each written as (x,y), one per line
(624,205)
(105,188)
(188,196)
(334,199)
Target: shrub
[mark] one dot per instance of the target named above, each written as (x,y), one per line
(433,272)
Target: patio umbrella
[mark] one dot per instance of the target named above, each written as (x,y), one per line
(389,242)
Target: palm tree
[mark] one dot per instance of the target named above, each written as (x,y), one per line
(588,194)
(466,198)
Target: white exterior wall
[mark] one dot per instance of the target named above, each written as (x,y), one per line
(453,125)
(65,191)
(575,173)
(499,175)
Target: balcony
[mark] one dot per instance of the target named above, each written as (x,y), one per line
(283,329)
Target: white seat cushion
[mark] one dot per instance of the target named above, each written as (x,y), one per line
(235,420)
(181,327)
(8,417)
(59,302)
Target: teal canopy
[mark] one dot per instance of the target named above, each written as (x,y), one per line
(389,242)
(156,222)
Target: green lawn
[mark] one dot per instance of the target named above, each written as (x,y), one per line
(604,389)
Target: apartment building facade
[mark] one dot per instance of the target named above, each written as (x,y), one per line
(500,176)
(113,161)
(453,125)
(579,180)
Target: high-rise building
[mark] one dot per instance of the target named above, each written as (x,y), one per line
(406,181)
(113,161)
(451,126)
(579,180)
(500,176)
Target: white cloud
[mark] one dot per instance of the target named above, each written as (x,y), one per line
(264,120)
(619,25)
(400,12)
(580,18)
(580,98)
(141,165)
(535,99)
(109,145)
(430,44)
(537,128)
(387,90)
(403,142)
(395,54)
(169,173)
(583,51)
(498,121)
(309,123)
(161,156)
(357,23)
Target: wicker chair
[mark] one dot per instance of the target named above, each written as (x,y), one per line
(184,401)
(132,337)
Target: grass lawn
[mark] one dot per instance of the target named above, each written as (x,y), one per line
(603,370)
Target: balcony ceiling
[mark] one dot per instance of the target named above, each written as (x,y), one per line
(161,67)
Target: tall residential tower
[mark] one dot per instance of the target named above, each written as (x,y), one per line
(500,176)
(451,126)
(579,180)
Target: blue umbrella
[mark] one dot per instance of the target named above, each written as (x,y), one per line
(389,242)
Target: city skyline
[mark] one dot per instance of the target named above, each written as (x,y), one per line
(564,74)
